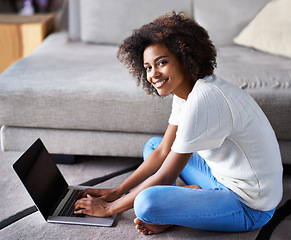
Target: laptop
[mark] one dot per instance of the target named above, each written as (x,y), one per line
(50,191)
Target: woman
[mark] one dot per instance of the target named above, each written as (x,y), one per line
(218,141)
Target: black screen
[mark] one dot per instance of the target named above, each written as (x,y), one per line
(41,177)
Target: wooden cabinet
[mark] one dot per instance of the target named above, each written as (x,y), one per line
(21,35)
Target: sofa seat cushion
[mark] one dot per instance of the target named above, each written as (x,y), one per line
(266,77)
(72,85)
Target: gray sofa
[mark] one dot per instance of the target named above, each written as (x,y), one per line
(74,94)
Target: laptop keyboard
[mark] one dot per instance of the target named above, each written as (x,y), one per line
(68,208)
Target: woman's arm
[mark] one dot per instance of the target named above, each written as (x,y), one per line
(146,169)
(152,163)
(166,175)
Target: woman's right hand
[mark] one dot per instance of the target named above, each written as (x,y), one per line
(109,195)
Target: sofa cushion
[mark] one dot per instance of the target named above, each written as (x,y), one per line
(224,19)
(266,77)
(74,28)
(73,85)
(270,31)
(111,21)
(76,142)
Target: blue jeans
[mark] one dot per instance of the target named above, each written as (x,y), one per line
(214,207)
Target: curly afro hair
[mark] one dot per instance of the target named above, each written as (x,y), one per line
(182,36)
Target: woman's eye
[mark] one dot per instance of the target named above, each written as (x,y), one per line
(147,68)
(161,63)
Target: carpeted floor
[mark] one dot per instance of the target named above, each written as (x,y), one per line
(19,220)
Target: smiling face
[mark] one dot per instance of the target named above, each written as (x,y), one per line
(165,72)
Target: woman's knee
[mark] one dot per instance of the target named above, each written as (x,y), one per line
(144,204)
(150,146)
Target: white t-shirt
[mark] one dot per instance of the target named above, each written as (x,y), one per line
(229,130)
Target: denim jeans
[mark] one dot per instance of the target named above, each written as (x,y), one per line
(214,207)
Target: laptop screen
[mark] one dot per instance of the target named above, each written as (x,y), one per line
(41,177)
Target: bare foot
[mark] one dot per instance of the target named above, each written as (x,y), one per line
(149,229)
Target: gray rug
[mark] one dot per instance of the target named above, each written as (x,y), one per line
(14,199)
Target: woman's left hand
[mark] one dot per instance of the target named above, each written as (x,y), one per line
(92,206)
